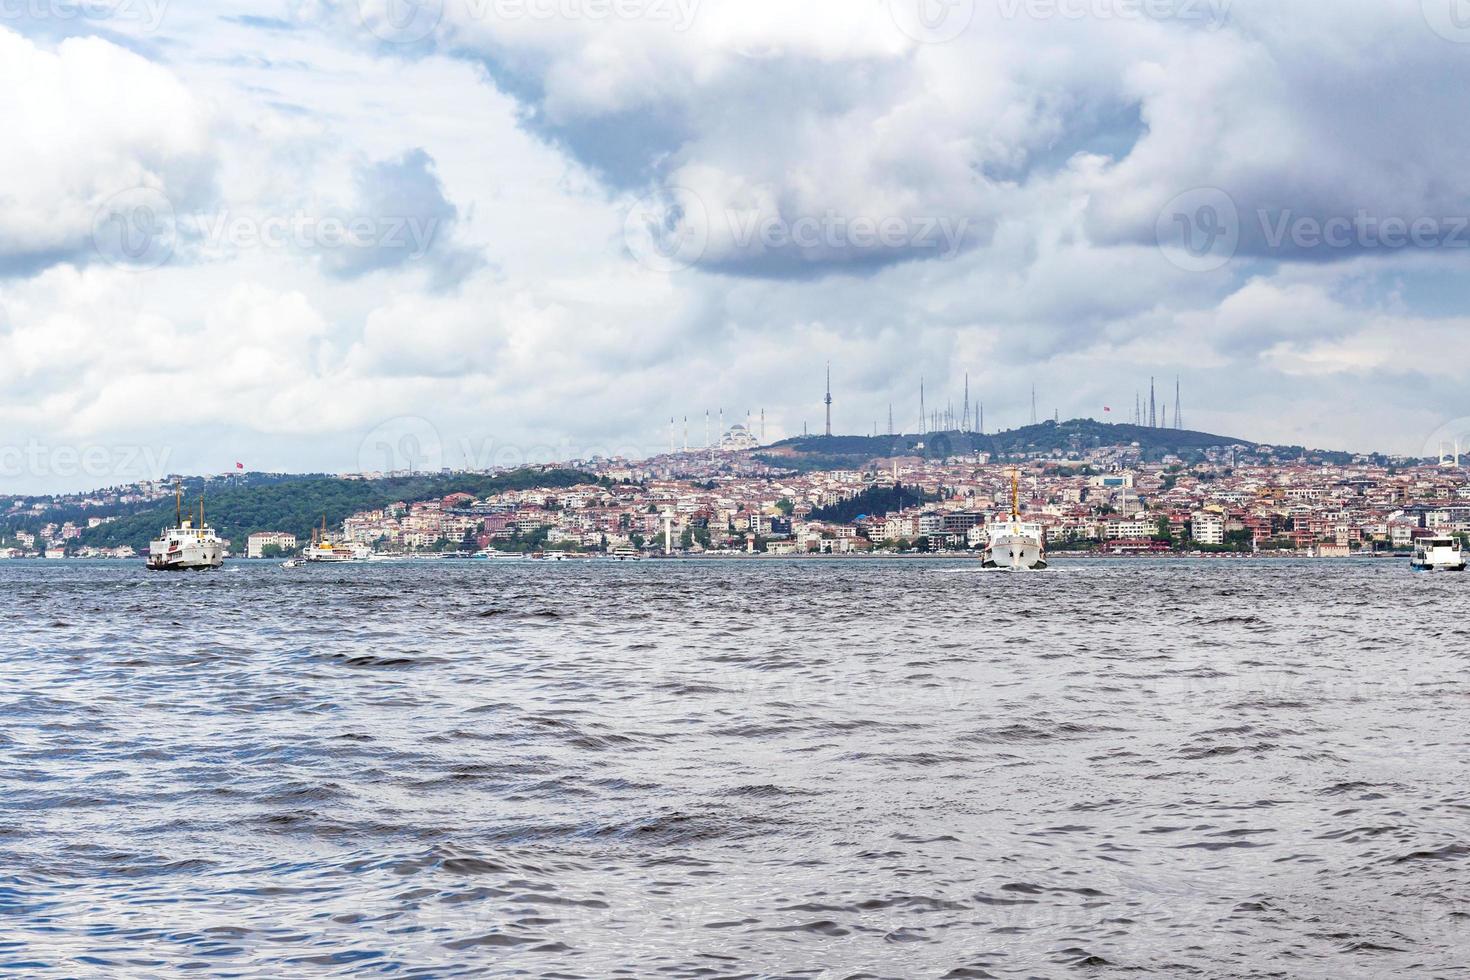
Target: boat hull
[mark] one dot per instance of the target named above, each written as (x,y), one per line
(191,557)
(1021,553)
(1438,555)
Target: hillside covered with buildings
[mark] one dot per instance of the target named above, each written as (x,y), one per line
(1095,489)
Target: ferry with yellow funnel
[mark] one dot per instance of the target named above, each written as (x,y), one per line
(1014,543)
(322,549)
(186,546)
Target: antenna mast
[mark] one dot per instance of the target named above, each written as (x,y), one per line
(965,425)
(829,398)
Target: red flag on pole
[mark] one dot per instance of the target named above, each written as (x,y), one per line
(239,465)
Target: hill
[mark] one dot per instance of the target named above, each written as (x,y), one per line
(297,504)
(1048,438)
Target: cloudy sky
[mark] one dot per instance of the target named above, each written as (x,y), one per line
(329,234)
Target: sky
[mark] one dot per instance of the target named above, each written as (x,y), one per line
(355,235)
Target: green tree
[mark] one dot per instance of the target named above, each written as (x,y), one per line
(1164,532)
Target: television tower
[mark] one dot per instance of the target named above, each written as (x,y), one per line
(1033,404)
(1153,413)
(890,418)
(1178,417)
(965,424)
(923,416)
(829,398)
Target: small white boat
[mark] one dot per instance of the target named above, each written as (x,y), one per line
(292,563)
(1438,554)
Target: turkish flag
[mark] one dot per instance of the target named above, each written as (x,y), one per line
(239,465)
(1106,409)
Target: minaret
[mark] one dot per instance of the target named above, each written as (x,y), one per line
(686,433)
(829,398)
(671,435)
(1178,416)
(763,427)
(706,428)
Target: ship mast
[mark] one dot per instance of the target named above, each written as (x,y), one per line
(178,504)
(1015,495)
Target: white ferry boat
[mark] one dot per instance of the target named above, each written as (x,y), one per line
(1016,544)
(322,550)
(186,546)
(1438,554)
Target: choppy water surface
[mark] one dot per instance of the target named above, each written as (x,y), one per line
(711,769)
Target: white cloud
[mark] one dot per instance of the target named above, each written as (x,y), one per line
(84,122)
(1053,143)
